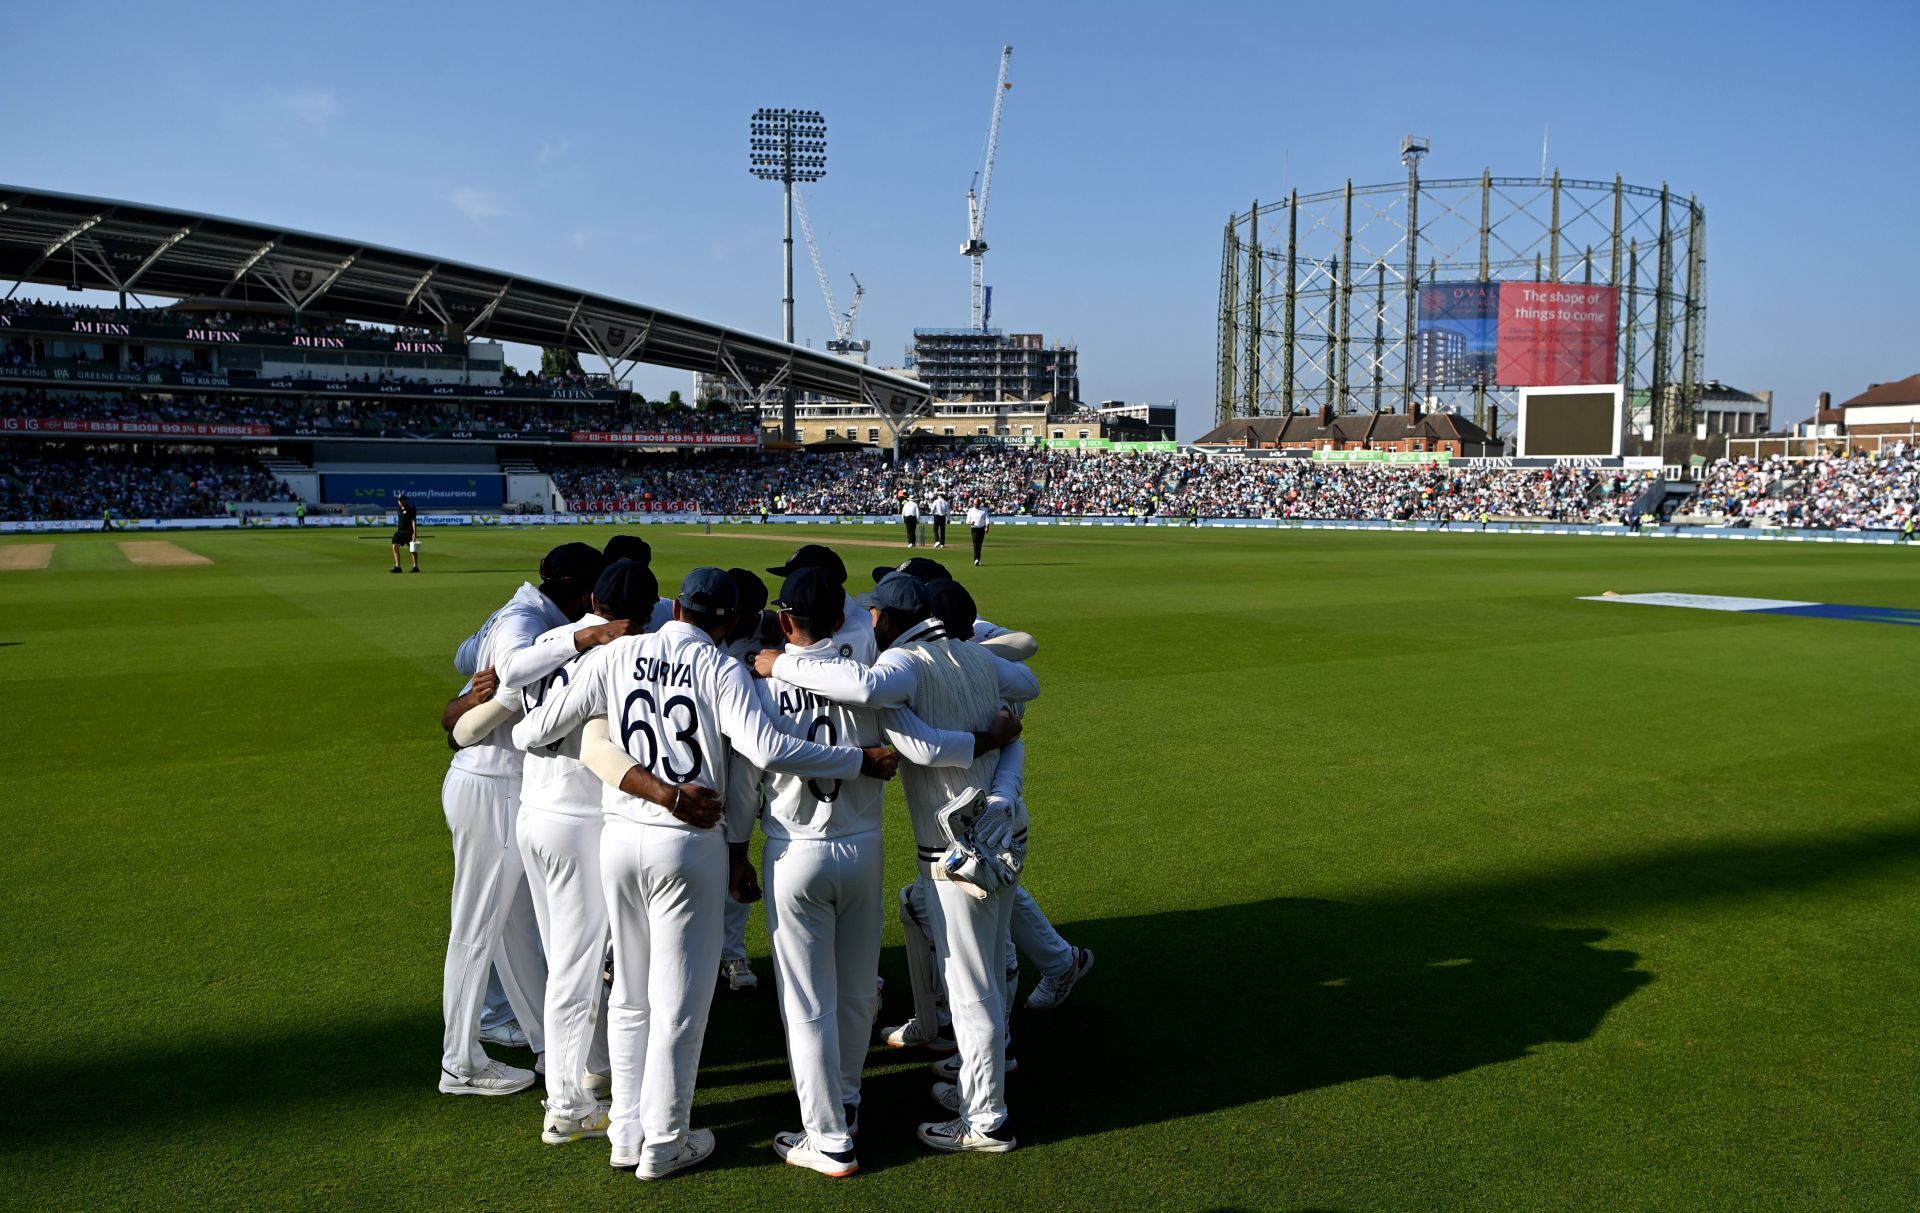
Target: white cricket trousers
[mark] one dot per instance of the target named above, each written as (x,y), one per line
(562,856)
(970,938)
(825,902)
(734,946)
(1033,934)
(493,920)
(666,891)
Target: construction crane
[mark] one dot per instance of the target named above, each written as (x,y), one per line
(843,341)
(975,249)
(853,318)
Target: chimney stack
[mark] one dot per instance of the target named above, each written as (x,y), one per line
(1326,415)
(1826,401)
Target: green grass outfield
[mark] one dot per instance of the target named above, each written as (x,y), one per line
(1415,882)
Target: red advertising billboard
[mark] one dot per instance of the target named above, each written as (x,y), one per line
(649,438)
(172,429)
(1557,334)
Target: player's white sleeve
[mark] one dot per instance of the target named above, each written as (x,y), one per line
(466,658)
(760,742)
(1012,646)
(984,629)
(743,798)
(568,707)
(923,745)
(534,662)
(480,720)
(1017,682)
(1010,777)
(884,684)
(516,658)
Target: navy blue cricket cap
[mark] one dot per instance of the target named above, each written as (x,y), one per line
(917,566)
(628,589)
(629,547)
(953,607)
(814,556)
(710,593)
(577,564)
(902,592)
(751,590)
(812,594)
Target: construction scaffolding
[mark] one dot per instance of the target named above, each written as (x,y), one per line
(961,364)
(1318,292)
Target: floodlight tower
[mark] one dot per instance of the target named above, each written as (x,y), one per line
(788,146)
(1412,149)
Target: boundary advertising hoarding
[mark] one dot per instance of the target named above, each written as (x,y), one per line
(1413,457)
(427,490)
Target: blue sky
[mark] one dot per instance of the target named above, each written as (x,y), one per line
(604,146)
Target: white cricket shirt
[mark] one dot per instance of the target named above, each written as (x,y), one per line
(680,708)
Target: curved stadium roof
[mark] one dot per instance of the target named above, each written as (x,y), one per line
(102,244)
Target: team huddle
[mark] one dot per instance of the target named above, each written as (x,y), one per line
(613,753)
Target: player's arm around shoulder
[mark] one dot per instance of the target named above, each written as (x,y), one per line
(1018,683)
(569,706)
(888,683)
(755,734)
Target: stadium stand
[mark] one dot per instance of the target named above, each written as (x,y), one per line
(1857,491)
(348,416)
(40,478)
(61,480)
(1056,483)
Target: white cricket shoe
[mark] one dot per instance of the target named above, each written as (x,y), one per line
(1051,993)
(696,1149)
(559,1130)
(494,1078)
(797,1150)
(910,1035)
(540,1064)
(739,974)
(947,1095)
(597,1085)
(508,1035)
(959,1137)
(949,1067)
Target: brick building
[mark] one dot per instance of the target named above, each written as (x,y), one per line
(1431,433)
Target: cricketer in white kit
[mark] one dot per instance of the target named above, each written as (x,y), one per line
(493,924)
(559,837)
(959,687)
(753,629)
(680,707)
(824,876)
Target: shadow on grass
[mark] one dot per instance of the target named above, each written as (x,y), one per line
(1187,1013)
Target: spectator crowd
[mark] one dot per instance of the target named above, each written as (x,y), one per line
(55,480)
(1864,490)
(60,479)
(348,417)
(1035,482)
